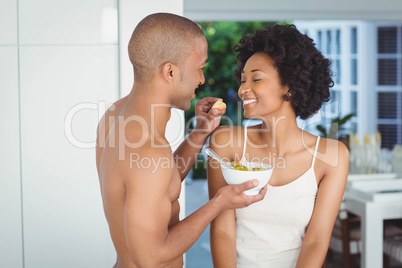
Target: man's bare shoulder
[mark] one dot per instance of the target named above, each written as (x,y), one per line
(109,117)
(107,131)
(131,151)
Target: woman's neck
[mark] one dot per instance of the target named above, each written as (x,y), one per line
(280,133)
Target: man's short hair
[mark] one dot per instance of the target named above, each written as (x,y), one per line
(160,38)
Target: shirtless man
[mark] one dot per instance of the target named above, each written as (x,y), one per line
(140,177)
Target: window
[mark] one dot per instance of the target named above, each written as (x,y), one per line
(353,71)
(387,73)
(388,135)
(353,102)
(387,105)
(389,84)
(346,85)
(361,89)
(353,40)
(387,39)
(329,42)
(335,102)
(338,42)
(319,40)
(337,71)
(333,51)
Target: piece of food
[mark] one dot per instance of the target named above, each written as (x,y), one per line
(220,105)
(237,166)
(243,168)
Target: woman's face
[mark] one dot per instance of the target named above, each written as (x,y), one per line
(260,89)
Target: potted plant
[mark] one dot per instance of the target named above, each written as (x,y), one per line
(337,128)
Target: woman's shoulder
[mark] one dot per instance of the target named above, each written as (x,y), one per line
(225,134)
(332,153)
(234,131)
(227,139)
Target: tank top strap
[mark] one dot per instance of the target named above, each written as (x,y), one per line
(244,146)
(315,150)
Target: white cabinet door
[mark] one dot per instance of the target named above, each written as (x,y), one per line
(10,177)
(64,224)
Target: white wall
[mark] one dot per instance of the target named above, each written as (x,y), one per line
(272,10)
(61,63)
(54,55)
(10,183)
(68,56)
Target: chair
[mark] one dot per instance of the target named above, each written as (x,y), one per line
(393,245)
(346,239)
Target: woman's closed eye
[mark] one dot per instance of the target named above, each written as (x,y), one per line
(254,80)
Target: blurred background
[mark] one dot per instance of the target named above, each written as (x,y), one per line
(62,63)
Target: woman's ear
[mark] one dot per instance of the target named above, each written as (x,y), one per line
(169,71)
(287,94)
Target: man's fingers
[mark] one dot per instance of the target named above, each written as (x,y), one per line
(263,191)
(211,99)
(247,185)
(215,112)
(258,197)
(207,102)
(217,118)
(204,105)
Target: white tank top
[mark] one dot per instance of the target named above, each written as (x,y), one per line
(269,233)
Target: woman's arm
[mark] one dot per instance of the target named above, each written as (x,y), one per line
(223,227)
(335,163)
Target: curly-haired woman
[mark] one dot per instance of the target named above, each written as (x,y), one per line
(282,76)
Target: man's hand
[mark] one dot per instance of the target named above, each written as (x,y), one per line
(207,119)
(232,196)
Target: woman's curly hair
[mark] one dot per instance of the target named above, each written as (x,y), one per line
(300,65)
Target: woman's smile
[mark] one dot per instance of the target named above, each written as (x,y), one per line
(249,101)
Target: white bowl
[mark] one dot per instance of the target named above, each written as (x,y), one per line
(233,176)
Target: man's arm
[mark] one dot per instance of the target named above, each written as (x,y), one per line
(207,120)
(148,212)
(329,198)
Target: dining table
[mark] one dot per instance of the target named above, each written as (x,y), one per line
(375,198)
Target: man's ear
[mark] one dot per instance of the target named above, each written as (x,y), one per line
(169,72)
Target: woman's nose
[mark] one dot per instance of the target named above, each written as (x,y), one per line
(243,90)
